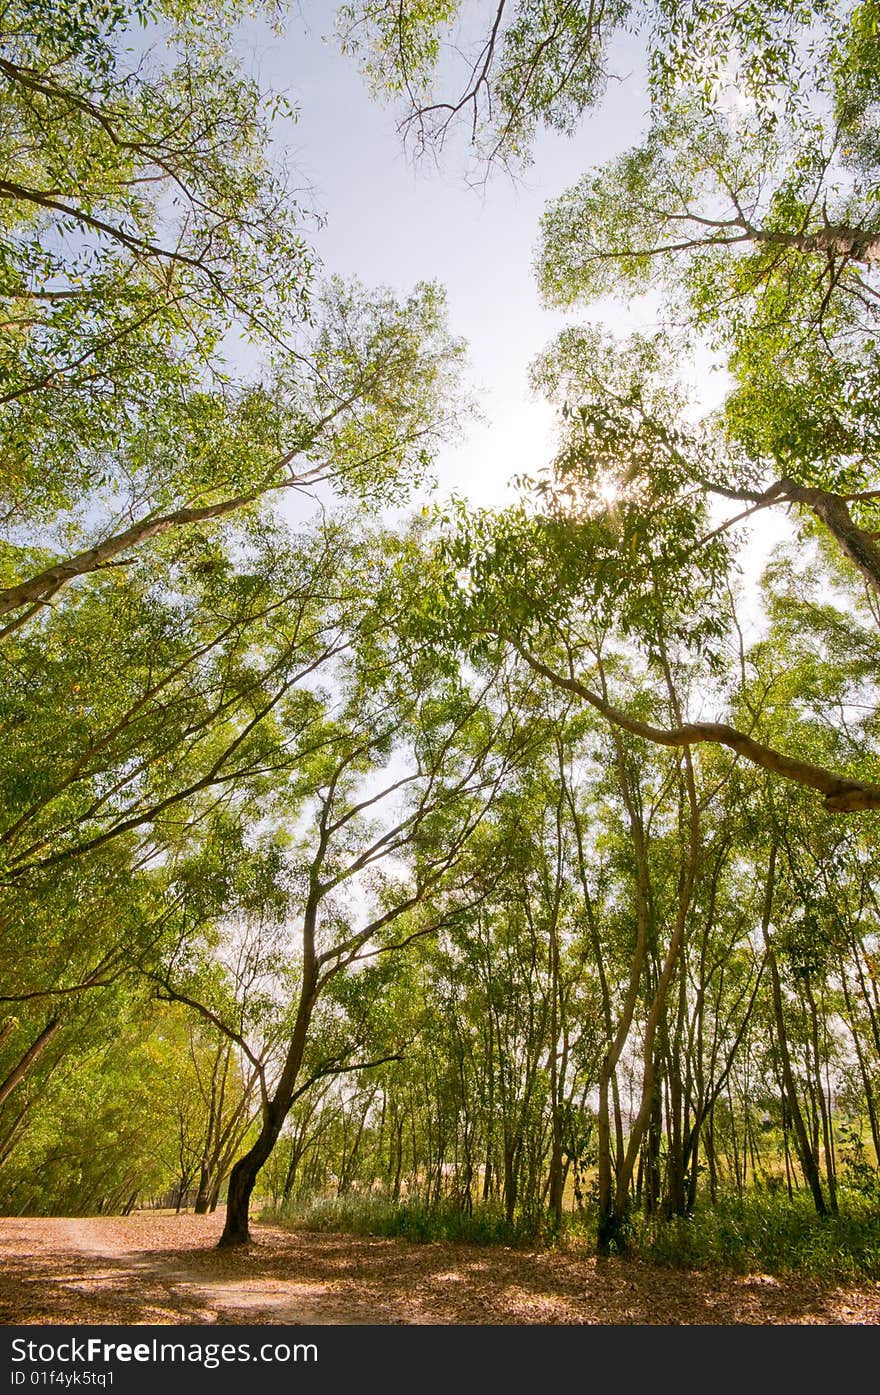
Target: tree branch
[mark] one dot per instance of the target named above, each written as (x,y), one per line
(842,794)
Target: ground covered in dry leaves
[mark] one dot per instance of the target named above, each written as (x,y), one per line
(157,1268)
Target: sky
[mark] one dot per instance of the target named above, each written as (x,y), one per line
(392,222)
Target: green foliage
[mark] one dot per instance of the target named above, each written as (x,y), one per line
(612,535)
(770,1235)
(172,716)
(486,1224)
(689,213)
(539,65)
(505,74)
(765,1234)
(115,1119)
(141,220)
(311,788)
(770,52)
(400,44)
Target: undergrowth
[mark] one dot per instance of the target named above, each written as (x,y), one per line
(771,1234)
(763,1232)
(485,1224)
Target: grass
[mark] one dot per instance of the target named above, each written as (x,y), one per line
(769,1234)
(764,1233)
(409,1219)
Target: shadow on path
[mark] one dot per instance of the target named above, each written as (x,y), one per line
(151,1268)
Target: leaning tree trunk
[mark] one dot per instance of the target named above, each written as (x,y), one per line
(243,1177)
(37,1047)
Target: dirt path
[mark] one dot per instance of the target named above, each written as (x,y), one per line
(153,1268)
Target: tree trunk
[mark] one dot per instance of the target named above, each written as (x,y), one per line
(243,1178)
(203,1195)
(806,1155)
(37,1047)
(511,1176)
(556,1176)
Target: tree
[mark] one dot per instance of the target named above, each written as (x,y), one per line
(147,234)
(618,528)
(138,1141)
(778,267)
(141,219)
(365,411)
(396,735)
(161,631)
(503,76)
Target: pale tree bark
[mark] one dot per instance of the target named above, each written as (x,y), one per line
(837,240)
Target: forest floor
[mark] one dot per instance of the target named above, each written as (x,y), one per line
(156,1268)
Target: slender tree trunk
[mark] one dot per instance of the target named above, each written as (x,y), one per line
(613,1194)
(675,1202)
(676,941)
(709,1145)
(864,1072)
(36,1048)
(806,1154)
(203,1192)
(734,1147)
(243,1177)
(397,1135)
(824,1105)
(556,1180)
(511,1176)
(787,1151)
